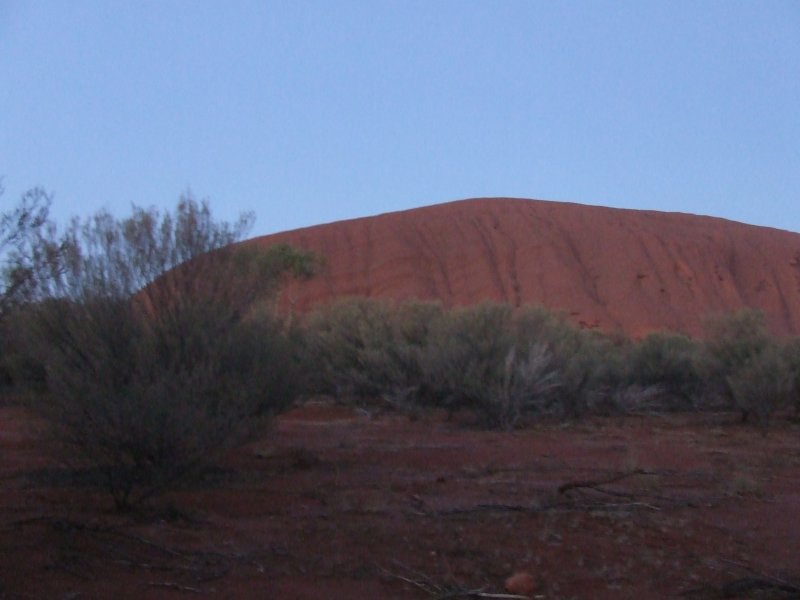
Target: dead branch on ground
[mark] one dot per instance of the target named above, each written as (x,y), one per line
(757,583)
(175,586)
(595,484)
(443,591)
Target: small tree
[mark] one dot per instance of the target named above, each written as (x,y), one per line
(22,230)
(154,360)
(26,260)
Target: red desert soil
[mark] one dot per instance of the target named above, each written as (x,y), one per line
(337,504)
(604,267)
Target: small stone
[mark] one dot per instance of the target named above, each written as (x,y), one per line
(521,583)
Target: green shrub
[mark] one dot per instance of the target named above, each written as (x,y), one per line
(732,341)
(589,364)
(501,364)
(507,366)
(762,385)
(667,361)
(465,354)
(368,350)
(477,359)
(591,368)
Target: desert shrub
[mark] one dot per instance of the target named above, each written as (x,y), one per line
(791,357)
(762,385)
(153,361)
(633,398)
(336,337)
(595,375)
(526,386)
(668,362)
(507,365)
(732,341)
(413,324)
(589,364)
(367,350)
(475,359)
(6,359)
(26,260)
(19,370)
(501,364)
(465,354)
(149,406)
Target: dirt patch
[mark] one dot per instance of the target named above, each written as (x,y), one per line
(336,504)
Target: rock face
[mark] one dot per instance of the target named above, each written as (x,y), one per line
(635,271)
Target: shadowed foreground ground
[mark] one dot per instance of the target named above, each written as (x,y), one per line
(336,504)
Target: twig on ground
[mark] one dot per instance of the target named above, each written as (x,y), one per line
(596,483)
(622,505)
(151,543)
(759,582)
(422,581)
(444,591)
(480,594)
(175,586)
(27,521)
(531,509)
(486,508)
(761,574)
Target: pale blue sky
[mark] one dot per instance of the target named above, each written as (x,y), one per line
(309,112)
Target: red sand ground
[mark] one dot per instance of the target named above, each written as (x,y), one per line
(336,504)
(604,267)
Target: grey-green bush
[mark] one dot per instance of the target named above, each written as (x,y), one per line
(732,341)
(668,361)
(476,358)
(762,385)
(588,363)
(368,349)
(509,365)
(153,361)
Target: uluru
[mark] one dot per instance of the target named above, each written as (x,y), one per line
(625,270)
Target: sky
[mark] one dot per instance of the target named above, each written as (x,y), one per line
(308,112)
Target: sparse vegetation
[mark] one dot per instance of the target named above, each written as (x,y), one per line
(154,358)
(152,343)
(510,366)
